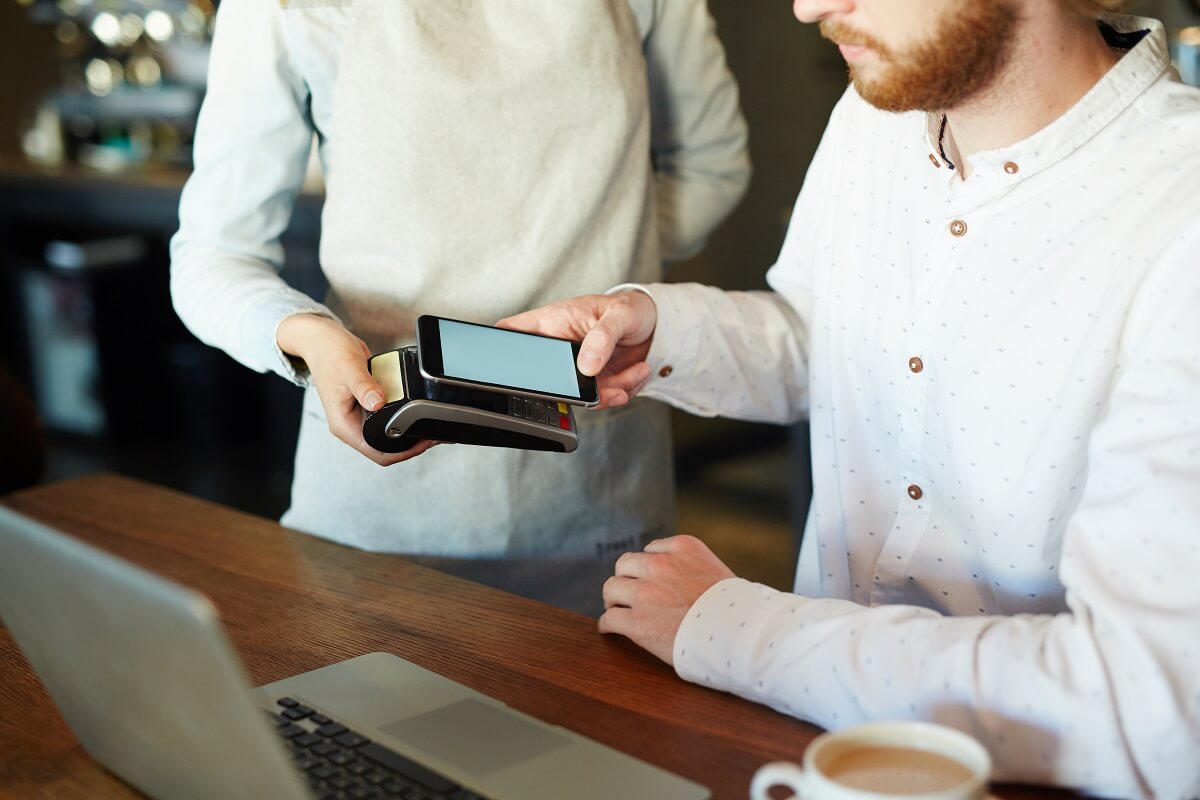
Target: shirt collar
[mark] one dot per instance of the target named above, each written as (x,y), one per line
(1143,64)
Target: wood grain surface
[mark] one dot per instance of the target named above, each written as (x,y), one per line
(292,603)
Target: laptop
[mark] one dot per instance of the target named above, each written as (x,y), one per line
(143,673)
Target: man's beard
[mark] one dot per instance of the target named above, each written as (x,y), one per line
(968,49)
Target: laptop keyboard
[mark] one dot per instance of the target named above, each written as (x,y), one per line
(341,764)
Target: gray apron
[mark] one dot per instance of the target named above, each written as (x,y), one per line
(489,156)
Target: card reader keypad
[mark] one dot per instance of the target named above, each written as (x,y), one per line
(545,412)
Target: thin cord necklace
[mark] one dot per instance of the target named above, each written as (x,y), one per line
(941,145)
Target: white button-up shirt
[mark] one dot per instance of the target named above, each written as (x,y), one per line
(1003,380)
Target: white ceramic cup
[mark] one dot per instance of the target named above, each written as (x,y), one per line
(818,779)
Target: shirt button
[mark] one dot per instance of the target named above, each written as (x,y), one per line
(916,364)
(1011,168)
(915,492)
(933,160)
(958,227)
(665,372)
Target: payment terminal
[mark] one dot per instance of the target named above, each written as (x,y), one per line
(475,384)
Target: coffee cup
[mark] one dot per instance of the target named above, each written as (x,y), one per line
(909,760)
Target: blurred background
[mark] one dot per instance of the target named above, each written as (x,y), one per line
(96,121)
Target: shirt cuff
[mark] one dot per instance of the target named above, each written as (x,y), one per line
(269,316)
(719,641)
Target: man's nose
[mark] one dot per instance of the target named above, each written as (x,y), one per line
(817,10)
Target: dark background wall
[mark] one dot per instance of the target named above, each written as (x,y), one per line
(27,69)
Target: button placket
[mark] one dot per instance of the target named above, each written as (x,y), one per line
(900,547)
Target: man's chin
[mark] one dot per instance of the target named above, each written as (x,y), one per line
(880,92)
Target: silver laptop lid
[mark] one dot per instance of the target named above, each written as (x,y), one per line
(140,669)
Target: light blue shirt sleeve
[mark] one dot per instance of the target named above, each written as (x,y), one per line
(252,144)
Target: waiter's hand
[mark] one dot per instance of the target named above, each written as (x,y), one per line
(616,331)
(652,591)
(337,361)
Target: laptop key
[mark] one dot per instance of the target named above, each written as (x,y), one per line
(358,767)
(297,712)
(398,763)
(330,728)
(350,739)
(320,719)
(287,702)
(341,758)
(326,749)
(308,739)
(323,772)
(290,730)
(306,762)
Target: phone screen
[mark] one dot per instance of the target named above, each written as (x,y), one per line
(482,354)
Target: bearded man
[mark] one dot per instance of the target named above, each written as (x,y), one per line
(988,305)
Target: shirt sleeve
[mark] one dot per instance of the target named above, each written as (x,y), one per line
(699,138)
(1104,697)
(745,354)
(732,354)
(253,138)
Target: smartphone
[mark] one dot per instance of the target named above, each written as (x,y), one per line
(481,356)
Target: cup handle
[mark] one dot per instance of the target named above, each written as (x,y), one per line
(777,773)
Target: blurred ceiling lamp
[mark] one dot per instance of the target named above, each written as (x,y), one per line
(159,26)
(66,32)
(107,28)
(143,71)
(131,29)
(103,75)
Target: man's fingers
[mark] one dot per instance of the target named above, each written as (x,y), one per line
(619,591)
(528,321)
(615,324)
(666,545)
(634,565)
(568,319)
(616,620)
(619,389)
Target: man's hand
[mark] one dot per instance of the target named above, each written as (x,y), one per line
(616,331)
(652,591)
(337,360)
